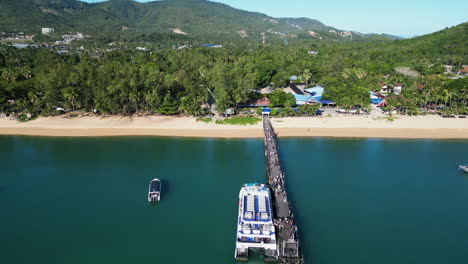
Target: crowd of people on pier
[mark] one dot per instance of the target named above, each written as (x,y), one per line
(276,179)
(284,222)
(276,176)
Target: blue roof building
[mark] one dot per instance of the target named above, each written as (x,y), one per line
(374,99)
(293,78)
(305,99)
(315,91)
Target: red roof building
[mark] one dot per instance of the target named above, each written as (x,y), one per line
(262,102)
(464,70)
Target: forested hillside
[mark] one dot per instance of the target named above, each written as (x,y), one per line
(171,81)
(195,18)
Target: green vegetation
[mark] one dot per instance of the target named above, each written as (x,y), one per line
(239,121)
(308,110)
(170,81)
(198,18)
(205,119)
(389,118)
(280,98)
(22,118)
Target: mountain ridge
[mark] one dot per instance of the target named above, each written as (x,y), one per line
(197,18)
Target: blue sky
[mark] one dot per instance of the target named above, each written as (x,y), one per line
(397,17)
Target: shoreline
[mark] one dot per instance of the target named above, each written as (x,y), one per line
(244,133)
(424,127)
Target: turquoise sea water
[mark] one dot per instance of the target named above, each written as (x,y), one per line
(83,200)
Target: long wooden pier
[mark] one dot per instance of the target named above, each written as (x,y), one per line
(286,228)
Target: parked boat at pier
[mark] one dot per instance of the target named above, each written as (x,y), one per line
(154,191)
(255,229)
(463,167)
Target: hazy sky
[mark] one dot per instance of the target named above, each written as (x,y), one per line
(397,17)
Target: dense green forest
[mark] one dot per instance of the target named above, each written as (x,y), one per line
(195,17)
(117,19)
(171,81)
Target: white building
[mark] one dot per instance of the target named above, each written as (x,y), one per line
(47,31)
(397,88)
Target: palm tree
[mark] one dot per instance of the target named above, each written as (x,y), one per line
(307,75)
(451,95)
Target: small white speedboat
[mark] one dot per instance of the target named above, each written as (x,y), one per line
(463,167)
(154,192)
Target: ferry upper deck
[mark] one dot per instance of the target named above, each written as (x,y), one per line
(255,224)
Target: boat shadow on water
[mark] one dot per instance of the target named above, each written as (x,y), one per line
(154,204)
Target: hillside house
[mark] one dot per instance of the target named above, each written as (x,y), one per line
(211,46)
(47,31)
(448,69)
(384,89)
(421,87)
(397,88)
(69,38)
(463,71)
(293,78)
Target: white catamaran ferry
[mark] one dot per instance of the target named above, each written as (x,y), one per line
(255,229)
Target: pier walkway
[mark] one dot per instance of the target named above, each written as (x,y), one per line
(286,228)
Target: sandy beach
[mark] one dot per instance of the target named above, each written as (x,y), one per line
(338,126)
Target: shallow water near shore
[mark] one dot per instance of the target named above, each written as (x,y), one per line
(83,200)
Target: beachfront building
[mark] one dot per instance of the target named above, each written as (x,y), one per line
(294,89)
(302,99)
(266,112)
(375,98)
(312,95)
(262,102)
(316,91)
